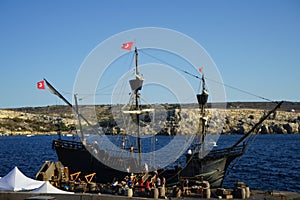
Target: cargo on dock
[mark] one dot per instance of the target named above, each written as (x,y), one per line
(255,195)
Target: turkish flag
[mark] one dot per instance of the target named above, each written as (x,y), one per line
(127,46)
(201,70)
(41,85)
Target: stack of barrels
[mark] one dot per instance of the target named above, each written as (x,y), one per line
(241,191)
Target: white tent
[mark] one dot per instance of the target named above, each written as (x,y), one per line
(48,188)
(15,180)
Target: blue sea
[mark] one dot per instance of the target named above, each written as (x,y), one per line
(271,162)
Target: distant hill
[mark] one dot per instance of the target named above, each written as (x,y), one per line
(64,109)
(286,106)
(238,118)
(57,109)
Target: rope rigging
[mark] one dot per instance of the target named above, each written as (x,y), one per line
(199,77)
(98,93)
(189,162)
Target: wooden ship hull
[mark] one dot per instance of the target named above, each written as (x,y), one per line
(212,167)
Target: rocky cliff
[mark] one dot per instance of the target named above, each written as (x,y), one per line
(238,118)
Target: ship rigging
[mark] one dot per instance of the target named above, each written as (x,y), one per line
(209,163)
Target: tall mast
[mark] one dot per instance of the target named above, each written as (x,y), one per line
(136,85)
(136,61)
(202,100)
(137,103)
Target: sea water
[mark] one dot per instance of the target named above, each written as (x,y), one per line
(271,162)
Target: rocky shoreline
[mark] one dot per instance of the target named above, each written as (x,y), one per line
(237,118)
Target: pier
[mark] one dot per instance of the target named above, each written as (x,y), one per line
(255,195)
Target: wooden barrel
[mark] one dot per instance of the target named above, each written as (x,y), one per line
(162,191)
(206,193)
(129,192)
(155,193)
(247,192)
(178,193)
(92,186)
(72,187)
(240,193)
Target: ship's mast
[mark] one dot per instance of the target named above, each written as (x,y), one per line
(136,62)
(202,100)
(136,85)
(137,104)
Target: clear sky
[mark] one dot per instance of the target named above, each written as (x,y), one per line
(255,44)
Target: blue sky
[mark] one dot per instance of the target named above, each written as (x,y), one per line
(255,44)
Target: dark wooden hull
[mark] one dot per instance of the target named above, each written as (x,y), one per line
(213,166)
(77,158)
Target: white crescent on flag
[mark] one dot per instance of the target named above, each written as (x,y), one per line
(41,85)
(127,46)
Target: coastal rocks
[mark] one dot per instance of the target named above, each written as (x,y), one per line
(240,121)
(276,128)
(20,123)
(286,128)
(238,130)
(176,121)
(291,127)
(264,129)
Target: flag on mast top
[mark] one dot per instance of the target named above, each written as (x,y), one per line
(127,46)
(201,70)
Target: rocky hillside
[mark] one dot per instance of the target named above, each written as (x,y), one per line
(35,120)
(238,118)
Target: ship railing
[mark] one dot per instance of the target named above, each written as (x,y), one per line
(212,154)
(222,152)
(68,144)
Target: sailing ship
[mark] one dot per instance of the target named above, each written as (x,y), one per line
(78,156)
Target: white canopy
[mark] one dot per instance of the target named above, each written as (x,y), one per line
(15,180)
(48,188)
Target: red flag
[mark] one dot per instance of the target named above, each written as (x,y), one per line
(41,85)
(127,46)
(201,70)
